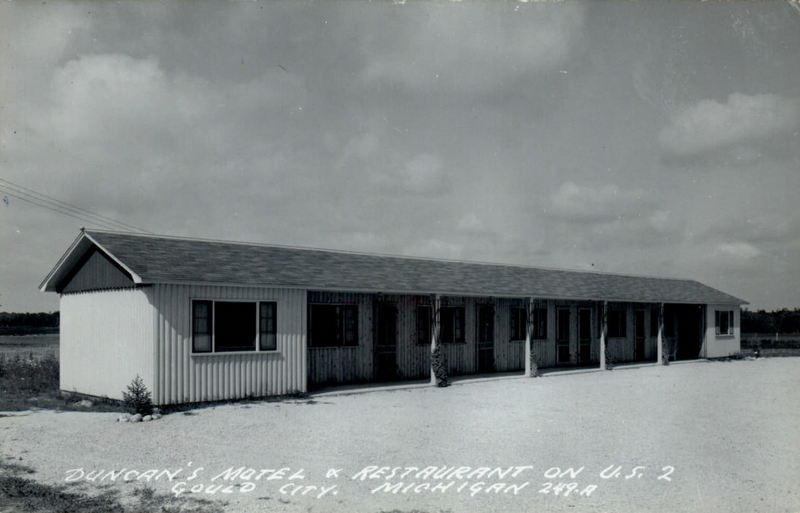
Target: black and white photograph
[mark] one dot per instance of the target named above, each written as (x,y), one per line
(422,256)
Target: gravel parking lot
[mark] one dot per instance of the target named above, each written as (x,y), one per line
(699,437)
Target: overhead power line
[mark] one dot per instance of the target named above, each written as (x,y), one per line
(62,207)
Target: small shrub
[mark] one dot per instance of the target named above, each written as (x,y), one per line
(137,399)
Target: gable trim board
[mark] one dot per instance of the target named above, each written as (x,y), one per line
(147,326)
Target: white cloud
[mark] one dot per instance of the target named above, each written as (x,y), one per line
(474,47)
(421,175)
(709,124)
(741,251)
(602,204)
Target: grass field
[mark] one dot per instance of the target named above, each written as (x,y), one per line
(29,346)
(728,430)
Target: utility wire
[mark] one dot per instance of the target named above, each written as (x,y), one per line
(62,207)
(63,204)
(84,219)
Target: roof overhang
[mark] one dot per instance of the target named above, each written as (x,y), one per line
(79,247)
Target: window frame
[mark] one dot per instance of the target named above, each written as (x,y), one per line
(463,331)
(421,341)
(513,320)
(539,322)
(212,317)
(357,332)
(623,324)
(717,323)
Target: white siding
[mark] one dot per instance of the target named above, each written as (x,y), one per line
(721,345)
(106,339)
(182,377)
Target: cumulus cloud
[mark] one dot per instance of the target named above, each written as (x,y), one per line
(475,47)
(710,124)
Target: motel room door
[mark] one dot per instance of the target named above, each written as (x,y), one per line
(385,341)
(638,334)
(584,335)
(562,336)
(485,338)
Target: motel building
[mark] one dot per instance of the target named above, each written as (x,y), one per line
(203,320)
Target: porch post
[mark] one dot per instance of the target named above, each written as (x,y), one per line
(603,322)
(660,336)
(438,365)
(528,330)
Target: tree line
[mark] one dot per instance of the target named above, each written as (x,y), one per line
(33,320)
(776,321)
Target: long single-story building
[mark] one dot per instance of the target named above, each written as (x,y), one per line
(203,320)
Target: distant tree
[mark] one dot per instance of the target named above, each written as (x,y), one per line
(777,321)
(40,319)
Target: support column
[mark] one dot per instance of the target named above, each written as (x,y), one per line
(530,370)
(660,337)
(438,364)
(603,324)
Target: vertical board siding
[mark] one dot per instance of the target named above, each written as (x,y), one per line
(413,355)
(509,355)
(716,346)
(461,358)
(105,340)
(97,272)
(183,377)
(621,348)
(339,365)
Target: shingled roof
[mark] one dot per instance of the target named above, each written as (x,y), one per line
(160,259)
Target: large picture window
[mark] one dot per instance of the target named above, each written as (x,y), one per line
(233,326)
(724,322)
(452,324)
(617,327)
(332,325)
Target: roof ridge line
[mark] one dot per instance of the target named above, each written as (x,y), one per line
(389,255)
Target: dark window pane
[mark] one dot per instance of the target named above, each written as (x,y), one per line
(616,323)
(267,327)
(653,323)
(235,324)
(518,323)
(540,322)
(724,323)
(350,337)
(423,324)
(322,326)
(333,325)
(201,326)
(452,324)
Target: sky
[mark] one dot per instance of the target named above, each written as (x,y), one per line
(658,138)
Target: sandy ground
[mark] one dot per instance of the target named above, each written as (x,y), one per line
(731,430)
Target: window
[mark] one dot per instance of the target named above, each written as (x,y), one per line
(332,325)
(233,326)
(518,323)
(540,322)
(617,325)
(518,326)
(724,322)
(423,324)
(201,326)
(452,324)
(654,323)
(267,333)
